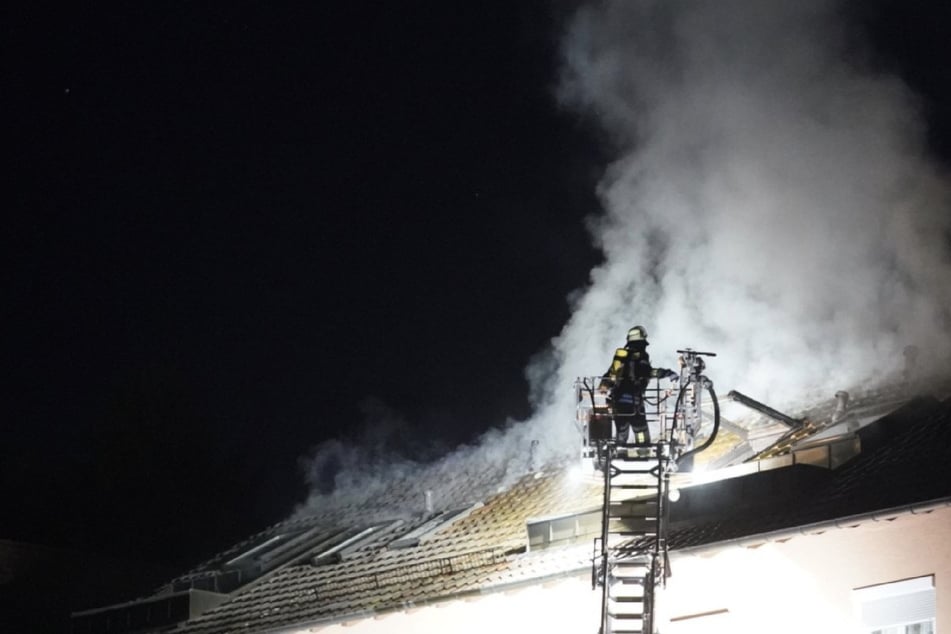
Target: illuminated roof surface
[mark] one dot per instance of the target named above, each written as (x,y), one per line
(903,461)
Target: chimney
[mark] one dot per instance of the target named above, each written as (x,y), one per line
(429,501)
(841,406)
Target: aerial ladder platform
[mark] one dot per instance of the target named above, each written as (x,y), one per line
(629,560)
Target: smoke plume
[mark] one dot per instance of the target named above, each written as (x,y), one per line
(770,200)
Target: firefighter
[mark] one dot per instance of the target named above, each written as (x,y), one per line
(626,380)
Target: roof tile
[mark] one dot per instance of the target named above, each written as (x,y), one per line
(487,548)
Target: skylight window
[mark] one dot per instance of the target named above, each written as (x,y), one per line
(350,542)
(252,553)
(276,549)
(318,545)
(339,547)
(429,528)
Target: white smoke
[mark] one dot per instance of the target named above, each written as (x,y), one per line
(770,200)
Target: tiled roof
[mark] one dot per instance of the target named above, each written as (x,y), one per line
(903,461)
(479,551)
(765,437)
(866,404)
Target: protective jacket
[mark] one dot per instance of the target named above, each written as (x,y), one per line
(627,378)
(632,366)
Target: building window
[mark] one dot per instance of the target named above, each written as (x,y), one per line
(901,607)
(924,627)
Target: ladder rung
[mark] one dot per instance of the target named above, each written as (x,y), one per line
(616,471)
(633,514)
(629,580)
(616,613)
(632,518)
(619,468)
(633,471)
(632,528)
(627,599)
(629,571)
(631,456)
(632,475)
(635,556)
(631,466)
(633,452)
(633,623)
(621,509)
(649,523)
(634,503)
(625,614)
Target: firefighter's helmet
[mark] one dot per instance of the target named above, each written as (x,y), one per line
(637,333)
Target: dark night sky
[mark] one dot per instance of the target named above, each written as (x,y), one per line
(229,226)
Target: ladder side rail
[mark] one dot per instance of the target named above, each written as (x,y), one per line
(660,526)
(662,414)
(654,397)
(608,469)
